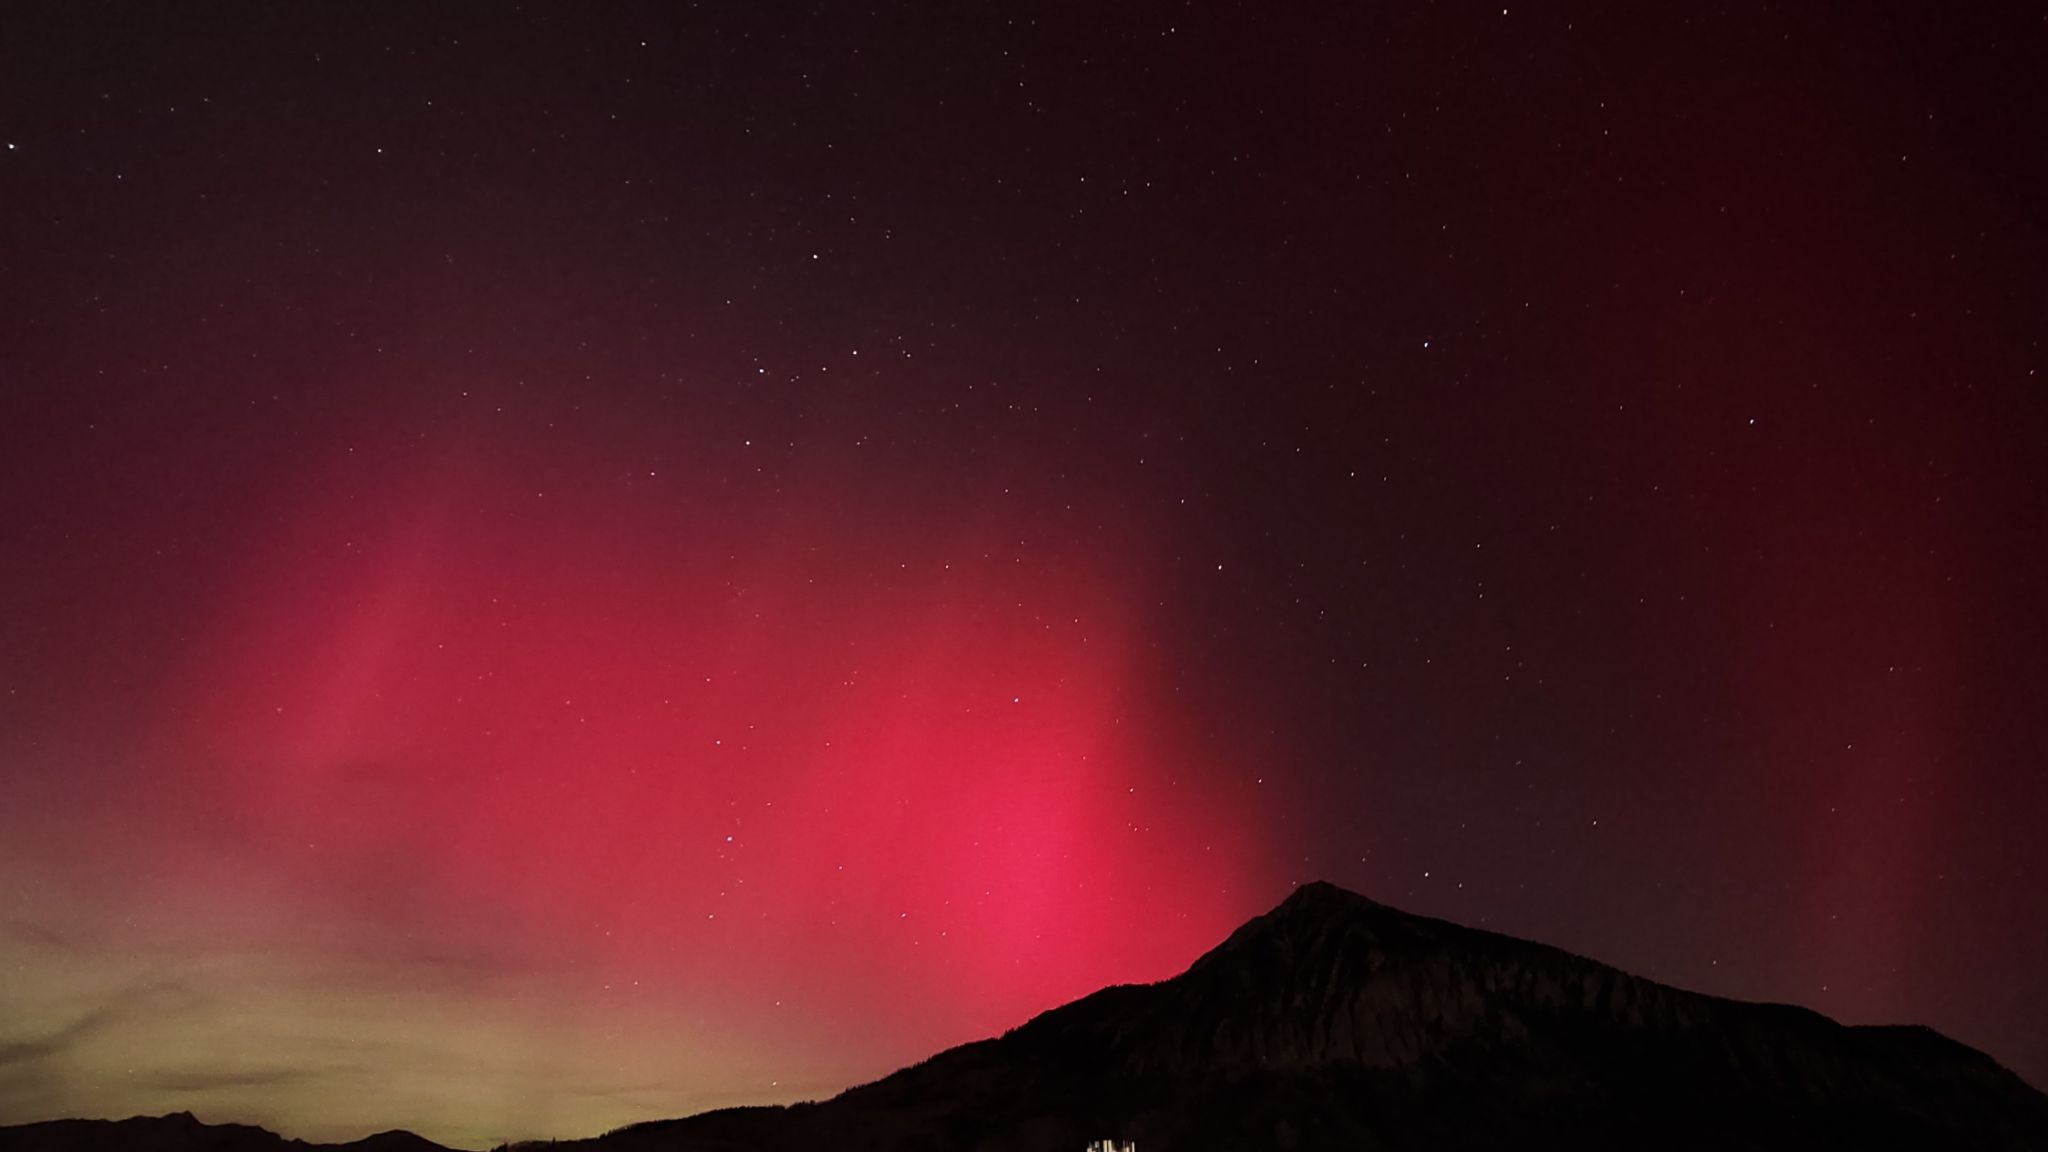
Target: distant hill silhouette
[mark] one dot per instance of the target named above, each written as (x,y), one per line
(1334,1022)
(182,1132)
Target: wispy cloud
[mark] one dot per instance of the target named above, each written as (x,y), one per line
(38,934)
(125,1006)
(197,1081)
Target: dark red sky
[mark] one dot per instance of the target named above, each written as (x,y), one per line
(559,567)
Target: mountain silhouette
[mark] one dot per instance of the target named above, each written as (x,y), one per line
(182,1132)
(1333,1022)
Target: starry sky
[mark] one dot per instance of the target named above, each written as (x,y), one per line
(568,564)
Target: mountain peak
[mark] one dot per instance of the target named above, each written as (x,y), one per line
(1316,926)
(1321,898)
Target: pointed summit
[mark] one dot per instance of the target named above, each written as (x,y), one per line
(1320,931)
(1320,897)
(1321,903)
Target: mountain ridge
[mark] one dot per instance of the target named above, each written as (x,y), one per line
(183,1132)
(1334,1021)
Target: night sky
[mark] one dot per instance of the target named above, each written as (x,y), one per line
(568,565)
